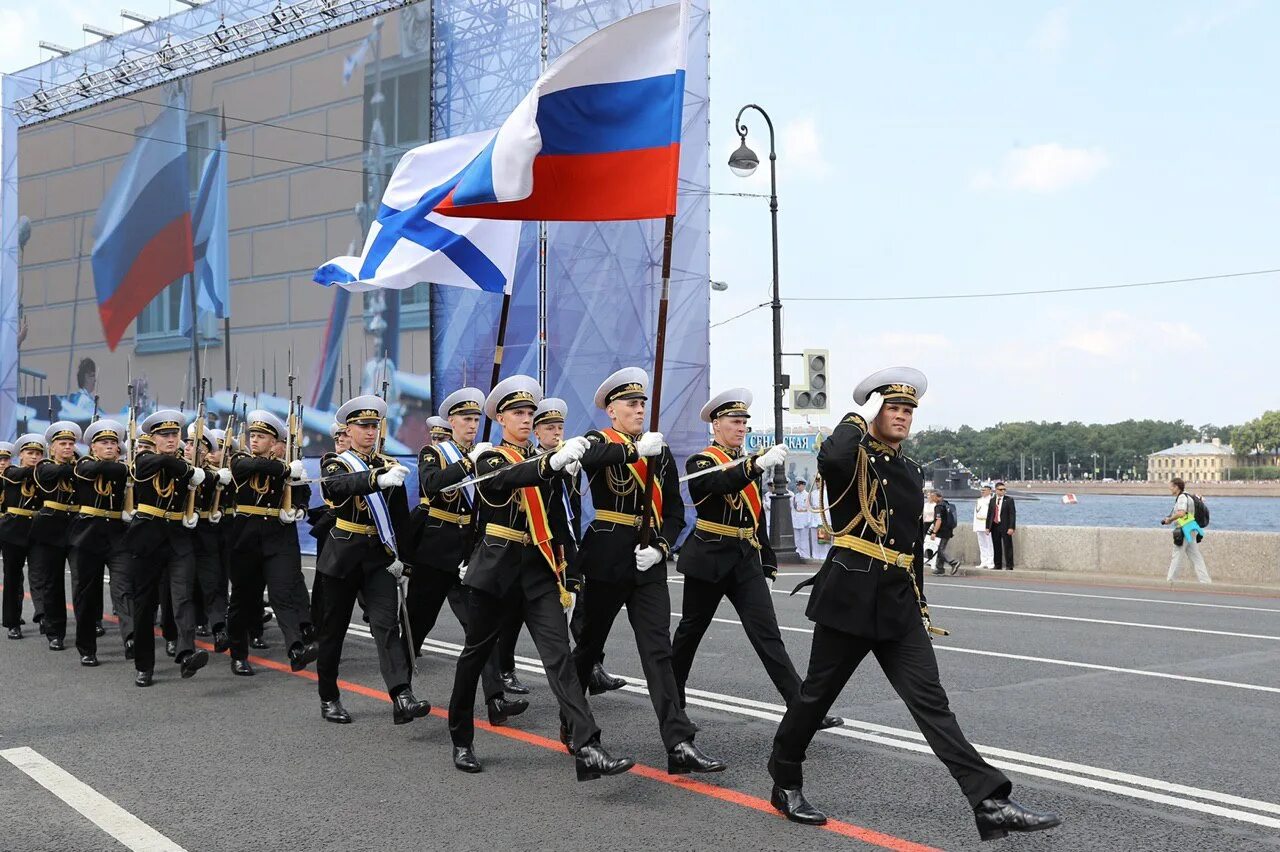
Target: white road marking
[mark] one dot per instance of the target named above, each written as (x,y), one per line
(1081,775)
(97,808)
(952,584)
(1107,621)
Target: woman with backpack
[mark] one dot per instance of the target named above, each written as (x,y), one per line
(1186,533)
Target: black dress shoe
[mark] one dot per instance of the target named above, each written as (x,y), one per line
(794,806)
(512,684)
(601,681)
(99,630)
(302,655)
(128,649)
(830,722)
(143,679)
(500,709)
(194,662)
(998,817)
(241,668)
(687,757)
(15,632)
(258,643)
(267,615)
(171,648)
(202,630)
(405,708)
(592,761)
(221,642)
(566,737)
(89,660)
(464,759)
(57,644)
(333,711)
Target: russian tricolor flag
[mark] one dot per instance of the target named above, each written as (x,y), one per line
(142,234)
(598,137)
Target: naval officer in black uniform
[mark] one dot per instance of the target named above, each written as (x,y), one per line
(54,477)
(868,597)
(20,504)
(728,552)
(619,570)
(518,561)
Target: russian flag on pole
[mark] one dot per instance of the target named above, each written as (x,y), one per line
(598,137)
(142,233)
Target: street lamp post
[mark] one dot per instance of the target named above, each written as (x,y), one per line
(743,163)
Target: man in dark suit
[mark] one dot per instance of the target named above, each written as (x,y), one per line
(1002,520)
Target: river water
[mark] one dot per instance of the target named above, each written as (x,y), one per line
(1258,514)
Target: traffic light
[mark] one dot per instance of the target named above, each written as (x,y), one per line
(812,395)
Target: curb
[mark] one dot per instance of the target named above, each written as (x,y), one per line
(1130,580)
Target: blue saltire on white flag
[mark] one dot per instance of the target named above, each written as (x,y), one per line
(211,251)
(409,243)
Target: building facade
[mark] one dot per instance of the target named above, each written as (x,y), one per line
(1192,461)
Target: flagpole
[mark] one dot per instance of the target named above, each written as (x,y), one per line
(195,331)
(542,230)
(497,355)
(655,396)
(226,307)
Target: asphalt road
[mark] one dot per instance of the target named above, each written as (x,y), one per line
(1147,719)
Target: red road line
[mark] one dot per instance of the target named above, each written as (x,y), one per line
(835,826)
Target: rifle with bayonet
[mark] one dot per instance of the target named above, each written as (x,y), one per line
(197,451)
(226,448)
(131,449)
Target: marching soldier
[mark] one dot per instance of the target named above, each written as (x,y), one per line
(366,490)
(54,478)
(96,537)
(320,520)
(20,503)
(518,562)
(211,577)
(728,553)
(441,431)
(442,535)
(264,546)
(620,570)
(159,539)
(868,598)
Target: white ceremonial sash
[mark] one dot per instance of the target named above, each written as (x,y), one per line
(377,503)
(452,454)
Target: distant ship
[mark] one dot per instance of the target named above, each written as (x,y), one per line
(957,483)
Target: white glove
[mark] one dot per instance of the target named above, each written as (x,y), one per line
(650,444)
(770,581)
(394,477)
(286,516)
(396,569)
(573,468)
(871,407)
(647,557)
(772,457)
(190,521)
(573,602)
(478,449)
(224,476)
(214,517)
(571,451)
(462,570)
(126,516)
(296,471)
(197,477)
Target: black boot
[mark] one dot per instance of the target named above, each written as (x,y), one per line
(128,649)
(89,660)
(221,641)
(202,630)
(405,708)
(592,761)
(99,630)
(830,722)
(258,643)
(57,644)
(512,684)
(241,668)
(143,679)
(301,655)
(601,681)
(15,632)
(464,759)
(687,757)
(193,662)
(998,817)
(333,711)
(566,737)
(500,709)
(171,648)
(794,806)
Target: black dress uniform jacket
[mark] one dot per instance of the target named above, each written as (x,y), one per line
(869,485)
(346,552)
(54,483)
(260,481)
(99,484)
(19,493)
(159,480)
(718,498)
(434,541)
(608,548)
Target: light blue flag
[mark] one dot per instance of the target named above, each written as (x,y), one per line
(209,229)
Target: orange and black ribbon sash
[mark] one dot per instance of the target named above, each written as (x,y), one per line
(639,470)
(751,493)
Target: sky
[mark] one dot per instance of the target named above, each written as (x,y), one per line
(928,149)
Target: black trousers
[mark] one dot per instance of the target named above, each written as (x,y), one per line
(148,585)
(211,584)
(546,622)
(15,557)
(943,559)
(86,592)
(381,599)
(754,605)
(1002,547)
(120,567)
(511,633)
(912,669)
(48,568)
(168,623)
(649,611)
(428,590)
(281,575)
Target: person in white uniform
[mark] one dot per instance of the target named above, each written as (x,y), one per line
(801,521)
(980,508)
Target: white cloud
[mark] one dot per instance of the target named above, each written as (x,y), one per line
(1052,33)
(801,144)
(1044,168)
(1124,338)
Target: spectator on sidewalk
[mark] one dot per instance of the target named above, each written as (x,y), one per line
(818,510)
(1183,517)
(800,521)
(944,528)
(980,508)
(1002,520)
